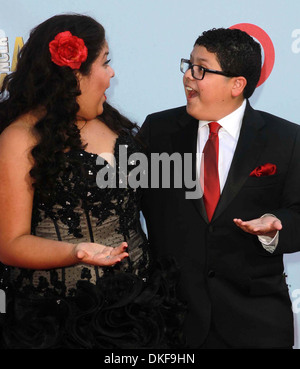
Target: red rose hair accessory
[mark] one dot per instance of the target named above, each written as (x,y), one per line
(264,170)
(67,50)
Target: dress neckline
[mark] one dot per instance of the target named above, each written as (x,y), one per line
(95,154)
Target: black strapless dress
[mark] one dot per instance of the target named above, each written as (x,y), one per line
(130,305)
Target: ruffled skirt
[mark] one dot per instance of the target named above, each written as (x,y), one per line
(122,311)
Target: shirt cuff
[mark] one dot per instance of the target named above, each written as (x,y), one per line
(269,243)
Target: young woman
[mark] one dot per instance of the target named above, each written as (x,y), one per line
(76,265)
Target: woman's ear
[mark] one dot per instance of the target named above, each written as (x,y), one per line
(78,76)
(239,84)
(77,73)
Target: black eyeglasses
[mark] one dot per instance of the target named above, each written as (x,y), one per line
(198,72)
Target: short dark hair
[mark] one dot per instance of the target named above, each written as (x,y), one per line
(237,53)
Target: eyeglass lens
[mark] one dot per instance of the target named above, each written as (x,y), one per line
(197,71)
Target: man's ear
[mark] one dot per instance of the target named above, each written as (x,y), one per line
(239,84)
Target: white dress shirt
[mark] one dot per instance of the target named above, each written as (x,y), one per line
(228,137)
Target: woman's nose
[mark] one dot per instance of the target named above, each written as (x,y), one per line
(112,72)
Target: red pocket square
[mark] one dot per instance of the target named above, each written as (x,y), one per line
(264,170)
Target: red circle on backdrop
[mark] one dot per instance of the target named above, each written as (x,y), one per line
(266,44)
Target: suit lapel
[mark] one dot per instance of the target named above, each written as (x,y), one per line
(185,141)
(249,147)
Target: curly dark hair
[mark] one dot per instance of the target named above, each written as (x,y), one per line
(38,82)
(237,53)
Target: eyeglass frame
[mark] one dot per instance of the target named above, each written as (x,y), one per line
(191,66)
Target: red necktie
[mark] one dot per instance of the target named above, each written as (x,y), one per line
(211,173)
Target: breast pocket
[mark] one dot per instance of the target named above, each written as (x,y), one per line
(263,181)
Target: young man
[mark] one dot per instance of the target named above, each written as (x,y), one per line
(230,242)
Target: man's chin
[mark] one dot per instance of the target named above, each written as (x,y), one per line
(192,111)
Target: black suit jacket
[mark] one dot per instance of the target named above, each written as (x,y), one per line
(227,278)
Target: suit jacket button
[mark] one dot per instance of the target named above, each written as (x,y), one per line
(210,228)
(211,274)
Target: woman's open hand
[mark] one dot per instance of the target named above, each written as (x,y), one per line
(97,254)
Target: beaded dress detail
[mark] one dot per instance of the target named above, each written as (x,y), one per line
(129,305)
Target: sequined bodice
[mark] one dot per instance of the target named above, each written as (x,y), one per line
(80,211)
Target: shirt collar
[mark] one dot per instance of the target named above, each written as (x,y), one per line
(232,122)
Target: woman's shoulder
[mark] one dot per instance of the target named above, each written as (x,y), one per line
(19,136)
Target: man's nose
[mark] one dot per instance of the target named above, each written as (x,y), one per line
(188,74)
